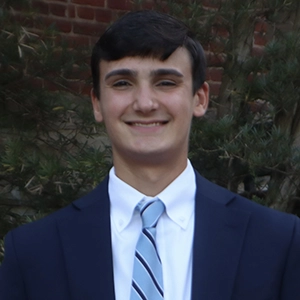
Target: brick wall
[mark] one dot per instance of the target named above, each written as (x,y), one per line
(82,21)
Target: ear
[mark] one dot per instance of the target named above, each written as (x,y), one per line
(201,100)
(96,107)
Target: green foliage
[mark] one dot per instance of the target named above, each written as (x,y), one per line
(47,130)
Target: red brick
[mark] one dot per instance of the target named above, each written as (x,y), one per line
(214,88)
(81,72)
(117,14)
(219,30)
(215,59)
(42,22)
(217,45)
(147,5)
(61,25)
(261,25)
(214,74)
(94,40)
(41,7)
(260,39)
(75,41)
(58,9)
(71,11)
(86,89)
(103,15)
(98,3)
(85,12)
(76,85)
(88,28)
(117,4)
(251,77)
(257,50)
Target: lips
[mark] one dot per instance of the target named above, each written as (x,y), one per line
(147,124)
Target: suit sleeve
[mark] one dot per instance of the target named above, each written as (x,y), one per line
(11,283)
(291,279)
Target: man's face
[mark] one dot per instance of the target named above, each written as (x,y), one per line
(147,106)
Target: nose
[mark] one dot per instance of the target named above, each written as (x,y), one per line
(144,99)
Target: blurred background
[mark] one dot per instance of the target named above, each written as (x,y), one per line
(51,150)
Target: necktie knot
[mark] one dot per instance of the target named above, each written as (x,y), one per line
(151,212)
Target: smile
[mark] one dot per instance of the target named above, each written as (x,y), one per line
(154,124)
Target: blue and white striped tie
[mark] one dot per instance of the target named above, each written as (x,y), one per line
(147,280)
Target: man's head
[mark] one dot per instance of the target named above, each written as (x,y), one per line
(147,34)
(148,76)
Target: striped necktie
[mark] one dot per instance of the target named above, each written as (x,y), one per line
(147,280)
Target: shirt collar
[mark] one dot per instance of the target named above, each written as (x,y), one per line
(178,198)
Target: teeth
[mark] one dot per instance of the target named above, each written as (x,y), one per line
(146,125)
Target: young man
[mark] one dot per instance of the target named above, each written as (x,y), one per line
(206,243)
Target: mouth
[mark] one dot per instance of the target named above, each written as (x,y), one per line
(147,124)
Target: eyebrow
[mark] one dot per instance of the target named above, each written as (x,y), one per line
(162,72)
(122,72)
(129,72)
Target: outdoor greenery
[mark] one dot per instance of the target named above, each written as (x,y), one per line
(51,151)
(47,130)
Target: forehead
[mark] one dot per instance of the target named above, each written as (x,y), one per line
(179,60)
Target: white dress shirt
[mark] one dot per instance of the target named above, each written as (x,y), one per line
(174,234)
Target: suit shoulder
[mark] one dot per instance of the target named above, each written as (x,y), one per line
(47,224)
(231,200)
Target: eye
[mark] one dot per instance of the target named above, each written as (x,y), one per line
(121,84)
(166,83)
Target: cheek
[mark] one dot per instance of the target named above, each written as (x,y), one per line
(116,103)
(111,108)
(184,109)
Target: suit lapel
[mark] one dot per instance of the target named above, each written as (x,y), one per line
(86,242)
(218,240)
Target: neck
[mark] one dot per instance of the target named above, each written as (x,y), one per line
(149,179)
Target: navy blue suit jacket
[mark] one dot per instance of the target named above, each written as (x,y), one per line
(241,251)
